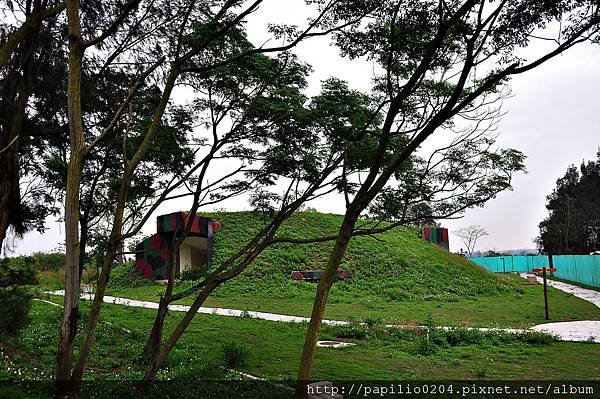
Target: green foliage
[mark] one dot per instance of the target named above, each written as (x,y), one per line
(235,354)
(15,300)
(573,224)
(30,355)
(17,271)
(193,273)
(424,346)
(49,261)
(536,338)
(15,303)
(127,275)
(42,261)
(427,340)
(400,267)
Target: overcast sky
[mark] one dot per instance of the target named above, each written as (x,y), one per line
(553,117)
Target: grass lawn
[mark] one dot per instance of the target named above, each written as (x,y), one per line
(274,350)
(513,309)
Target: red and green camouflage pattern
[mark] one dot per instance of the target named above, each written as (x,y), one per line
(315,275)
(202,227)
(153,255)
(437,236)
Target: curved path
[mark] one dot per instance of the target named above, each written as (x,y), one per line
(580,331)
(583,293)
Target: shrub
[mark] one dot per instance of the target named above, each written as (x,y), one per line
(466,336)
(193,273)
(17,271)
(536,338)
(353,329)
(127,275)
(424,346)
(51,261)
(15,300)
(15,303)
(235,354)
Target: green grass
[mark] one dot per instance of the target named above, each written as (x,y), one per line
(398,266)
(402,279)
(274,349)
(508,310)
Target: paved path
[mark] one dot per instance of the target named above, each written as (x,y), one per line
(566,331)
(583,293)
(582,331)
(573,330)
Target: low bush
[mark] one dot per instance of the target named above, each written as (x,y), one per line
(17,271)
(15,303)
(127,275)
(424,346)
(536,338)
(193,273)
(235,354)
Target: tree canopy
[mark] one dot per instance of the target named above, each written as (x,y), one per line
(573,223)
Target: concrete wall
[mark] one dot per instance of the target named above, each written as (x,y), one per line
(193,252)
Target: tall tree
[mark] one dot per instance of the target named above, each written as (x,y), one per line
(573,223)
(441,62)
(172,57)
(28,46)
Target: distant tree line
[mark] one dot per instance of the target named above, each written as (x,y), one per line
(573,223)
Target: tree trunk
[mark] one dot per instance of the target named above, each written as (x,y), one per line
(120,258)
(153,344)
(327,279)
(88,338)
(112,250)
(162,356)
(68,327)
(84,234)
(7,188)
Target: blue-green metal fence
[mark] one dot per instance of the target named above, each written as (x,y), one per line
(584,269)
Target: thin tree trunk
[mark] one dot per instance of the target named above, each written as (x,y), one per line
(84,234)
(88,338)
(162,356)
(154,339)
(327,279)
(7,188)
(68,327)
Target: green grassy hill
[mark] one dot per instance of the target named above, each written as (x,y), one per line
(397,266)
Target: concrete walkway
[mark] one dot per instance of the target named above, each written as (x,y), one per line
(583,293)
(588,331)
(585,330)
(578,331)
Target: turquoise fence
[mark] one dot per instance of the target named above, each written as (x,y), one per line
(584,269)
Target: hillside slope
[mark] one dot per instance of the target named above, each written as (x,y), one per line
(399,267)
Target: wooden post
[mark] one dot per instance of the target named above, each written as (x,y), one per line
(545,293)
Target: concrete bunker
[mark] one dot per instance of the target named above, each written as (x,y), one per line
(153,255)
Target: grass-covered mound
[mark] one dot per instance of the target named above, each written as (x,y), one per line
(396,266)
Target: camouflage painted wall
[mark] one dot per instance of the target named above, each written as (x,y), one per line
(153,255)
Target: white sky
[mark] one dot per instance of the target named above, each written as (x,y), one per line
(552,117)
